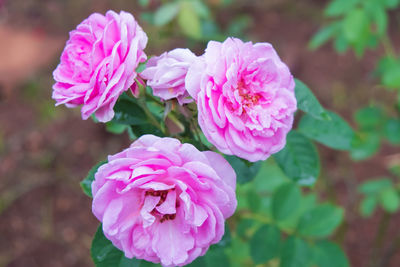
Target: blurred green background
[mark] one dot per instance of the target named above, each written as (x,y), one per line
(45,219)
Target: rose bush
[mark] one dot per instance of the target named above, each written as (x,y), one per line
(98,63)
(164,201)
(245,98)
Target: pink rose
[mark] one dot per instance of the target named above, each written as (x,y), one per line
(166,74)
(245,98)
(164,201)
(98,63)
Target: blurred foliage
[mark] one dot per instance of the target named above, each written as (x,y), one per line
(359,24)
(194,19)
(380,191)
(362,24)
(374,126)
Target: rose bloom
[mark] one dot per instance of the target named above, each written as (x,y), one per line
(245,98)
(98,63)
(166,74)
(163,201)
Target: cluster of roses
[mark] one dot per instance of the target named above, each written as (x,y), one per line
(161,200)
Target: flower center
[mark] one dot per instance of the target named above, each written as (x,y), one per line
(248,98)
(166,207)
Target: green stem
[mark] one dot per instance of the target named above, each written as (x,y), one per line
(256,217)
(143,105)
(197,130)
(194,129)
(153,120)
(388,46)
(379,238)
(154,99)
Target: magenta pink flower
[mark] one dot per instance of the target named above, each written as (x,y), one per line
(245,98)
(166,74)
(98,63)
(164,201)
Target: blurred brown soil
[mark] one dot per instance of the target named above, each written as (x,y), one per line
(23,53)
(45,219)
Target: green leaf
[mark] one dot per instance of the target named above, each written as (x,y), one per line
(216,257)
(147,17)
(307,102)
(390,200)
(395,169)
(93,116)
(104,254)
(329,254)
(199,262)
(144,3)
(139,130)
(335,133)
(285,201)
(141,67)
(368,205)
(269,177)
(238,253)
(254,201)
(245,170)
(299,159)
(86,184)
(295,253)
(391,3)
(244,227)
(166,13)
(201,9)
(238,26)
(398,102)
(385,64)
(265,244)
(380,19)
(355,25)
(323,35)
(339,7)
(189,20)
(128,112)
(392,131)
(148,264)
(364,145)
(373,187)
(341,43)
(307,203)
(211,31)
(226,238)
(369,118)
(391,78)
(115,128)
(320,221)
